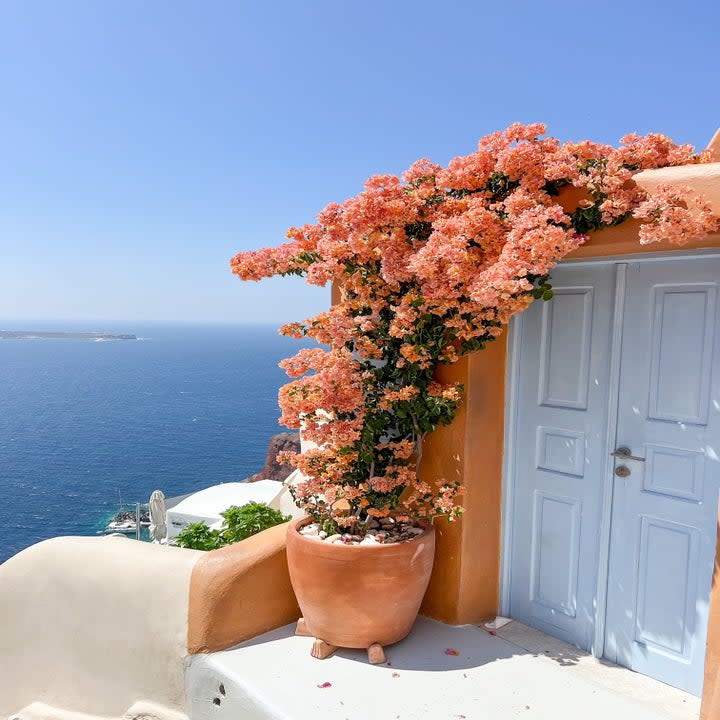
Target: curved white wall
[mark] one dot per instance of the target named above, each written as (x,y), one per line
(94,625)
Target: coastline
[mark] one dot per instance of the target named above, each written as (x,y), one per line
(62,335)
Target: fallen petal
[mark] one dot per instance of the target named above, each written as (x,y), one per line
(325,685)
(451,651)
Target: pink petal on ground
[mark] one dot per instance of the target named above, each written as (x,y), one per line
(325,685)
(451,651)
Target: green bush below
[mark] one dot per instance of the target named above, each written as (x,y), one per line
(239,523)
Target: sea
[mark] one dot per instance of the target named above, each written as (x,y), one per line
(87,425)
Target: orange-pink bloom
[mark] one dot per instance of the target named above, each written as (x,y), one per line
(429,266)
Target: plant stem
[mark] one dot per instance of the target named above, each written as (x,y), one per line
(418,445)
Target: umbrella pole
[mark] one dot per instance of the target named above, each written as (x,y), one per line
(137,521)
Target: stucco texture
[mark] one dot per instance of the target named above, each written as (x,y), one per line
(464,585)
(240,591)
(94,625)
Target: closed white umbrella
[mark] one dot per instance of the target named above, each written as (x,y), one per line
(158,522)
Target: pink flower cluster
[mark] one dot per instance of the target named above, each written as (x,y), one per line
(673,214)
(432,265)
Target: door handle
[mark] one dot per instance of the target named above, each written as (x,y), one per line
(624,453)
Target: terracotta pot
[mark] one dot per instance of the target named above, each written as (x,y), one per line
(356,595)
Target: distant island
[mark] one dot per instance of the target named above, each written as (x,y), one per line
(61,335)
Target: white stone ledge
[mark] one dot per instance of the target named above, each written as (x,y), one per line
(273,677)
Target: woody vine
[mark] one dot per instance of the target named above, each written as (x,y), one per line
(430,266)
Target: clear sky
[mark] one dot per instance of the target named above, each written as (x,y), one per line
(144,142)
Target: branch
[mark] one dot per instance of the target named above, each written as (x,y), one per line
(418,443)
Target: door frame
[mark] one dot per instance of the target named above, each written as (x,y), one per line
(512,374)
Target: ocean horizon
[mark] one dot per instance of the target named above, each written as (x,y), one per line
(87,423)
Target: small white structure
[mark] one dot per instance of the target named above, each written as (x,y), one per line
(206,505)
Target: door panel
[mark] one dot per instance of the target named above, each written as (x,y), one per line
(664,513)
(559,454)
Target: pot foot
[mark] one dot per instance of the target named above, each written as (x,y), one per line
(302,629)
(376,654)
(322,650)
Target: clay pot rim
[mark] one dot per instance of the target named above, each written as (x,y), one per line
(295,525)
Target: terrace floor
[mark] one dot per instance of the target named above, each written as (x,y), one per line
(517,673)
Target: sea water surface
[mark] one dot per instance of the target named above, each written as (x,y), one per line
(84,423)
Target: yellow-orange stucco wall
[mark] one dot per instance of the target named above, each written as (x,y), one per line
(464,586)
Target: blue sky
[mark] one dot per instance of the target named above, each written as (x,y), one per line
(144,143)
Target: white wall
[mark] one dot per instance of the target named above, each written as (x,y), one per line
(94,625)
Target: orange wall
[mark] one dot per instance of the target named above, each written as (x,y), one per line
(623,240)
(464,586)
(444,457)
(240,591)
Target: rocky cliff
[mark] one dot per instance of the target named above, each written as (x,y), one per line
(273,470)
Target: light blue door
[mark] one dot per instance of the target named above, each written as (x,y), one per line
(658,410)
(559,448)
(664,512)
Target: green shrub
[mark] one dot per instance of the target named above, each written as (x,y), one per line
(198,536)
(239,523)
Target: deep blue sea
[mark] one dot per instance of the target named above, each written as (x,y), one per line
(83,422)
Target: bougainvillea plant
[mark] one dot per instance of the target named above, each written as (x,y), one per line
(429,267)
